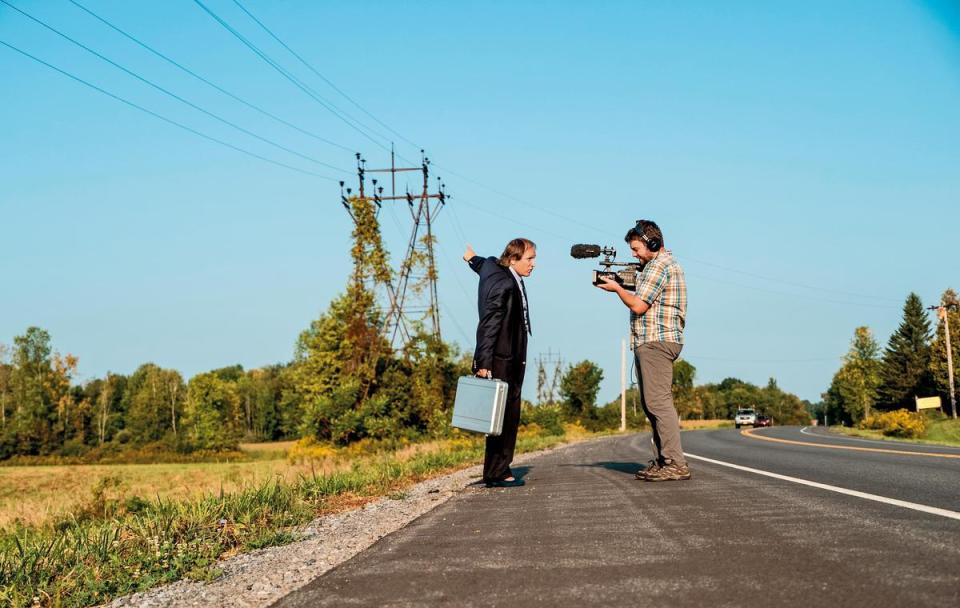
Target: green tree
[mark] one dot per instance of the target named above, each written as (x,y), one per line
(330,380)
(107,400)
(783,407)
(339,356)
(210,401)
(435,367)
(32,424)
(857,381)
(261,393)
(684,374)
(59,391)
(579,387)
(905,367)
(6,390)
(153,403)
(938,358)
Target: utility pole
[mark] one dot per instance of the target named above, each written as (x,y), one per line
(943,313)
(623,385)
(412,300)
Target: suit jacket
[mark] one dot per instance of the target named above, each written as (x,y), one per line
(501,334)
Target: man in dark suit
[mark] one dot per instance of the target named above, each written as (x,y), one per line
(502,344)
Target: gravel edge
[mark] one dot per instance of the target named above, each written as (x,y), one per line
(259,578)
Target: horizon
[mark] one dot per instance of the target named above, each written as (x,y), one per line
(802,168)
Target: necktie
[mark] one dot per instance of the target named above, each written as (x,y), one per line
(526,308)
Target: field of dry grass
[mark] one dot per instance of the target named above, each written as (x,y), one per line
(118,537)
(35,495)
(692,425)
(32,495)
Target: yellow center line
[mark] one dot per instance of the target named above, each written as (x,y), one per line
(750,433)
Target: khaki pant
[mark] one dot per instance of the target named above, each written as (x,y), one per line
(655,379)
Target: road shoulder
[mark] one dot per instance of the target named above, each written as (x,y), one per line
(259,578)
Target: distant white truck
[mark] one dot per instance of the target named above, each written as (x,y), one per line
(745,416)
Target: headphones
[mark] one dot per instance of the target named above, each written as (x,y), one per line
(653,243)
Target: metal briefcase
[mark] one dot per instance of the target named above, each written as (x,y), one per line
(479,405)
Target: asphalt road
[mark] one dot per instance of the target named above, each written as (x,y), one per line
(584,531)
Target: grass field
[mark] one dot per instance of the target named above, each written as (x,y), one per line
(940,431)
(694,425)
(80,535)
(33,496)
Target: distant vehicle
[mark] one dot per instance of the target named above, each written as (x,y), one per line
(745,416)
(763,421)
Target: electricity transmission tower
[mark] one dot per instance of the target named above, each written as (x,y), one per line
(548,381)
(411,302)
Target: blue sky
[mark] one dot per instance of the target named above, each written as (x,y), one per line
(800,157)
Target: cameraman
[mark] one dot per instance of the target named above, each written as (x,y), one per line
(657,313)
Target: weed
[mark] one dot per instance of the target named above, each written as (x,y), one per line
(114,545)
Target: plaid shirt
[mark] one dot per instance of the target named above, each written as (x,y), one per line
(662,285)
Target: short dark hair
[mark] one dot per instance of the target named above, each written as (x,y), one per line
(515,250)
(643,228)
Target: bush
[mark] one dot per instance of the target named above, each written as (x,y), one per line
(898,423)
(549,418)
(607,418)
(310,450)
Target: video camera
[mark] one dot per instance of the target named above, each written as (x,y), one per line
(627,277)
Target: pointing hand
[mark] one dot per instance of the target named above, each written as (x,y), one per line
(469,254)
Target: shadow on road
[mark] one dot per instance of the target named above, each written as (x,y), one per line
(520,472)
(629,468)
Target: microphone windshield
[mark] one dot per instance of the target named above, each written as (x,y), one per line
(585,251)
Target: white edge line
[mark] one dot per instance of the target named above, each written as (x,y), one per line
(813,484)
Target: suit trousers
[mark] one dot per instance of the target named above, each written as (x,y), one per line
(499,449)
(655,372)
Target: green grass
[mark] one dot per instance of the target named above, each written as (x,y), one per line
(940,431)
(110,547)
(945,431)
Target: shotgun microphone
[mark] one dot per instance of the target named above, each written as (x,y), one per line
(585,251)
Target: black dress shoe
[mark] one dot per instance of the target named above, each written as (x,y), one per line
(504,483)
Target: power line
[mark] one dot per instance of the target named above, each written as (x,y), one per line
(457,225)
(321,76)
(501,193)
(524,202)
(735,360)
(580,223)
(170,93)
(463,334)
(511,220)
(206,81)
(164,118)
(315,71)
(446,254)
(790,283)
(293,79)
(719,280)
(792,295)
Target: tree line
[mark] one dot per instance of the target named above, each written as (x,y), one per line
(579,385)
(42,412)
(344,384)
(913,364)
(321,394)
